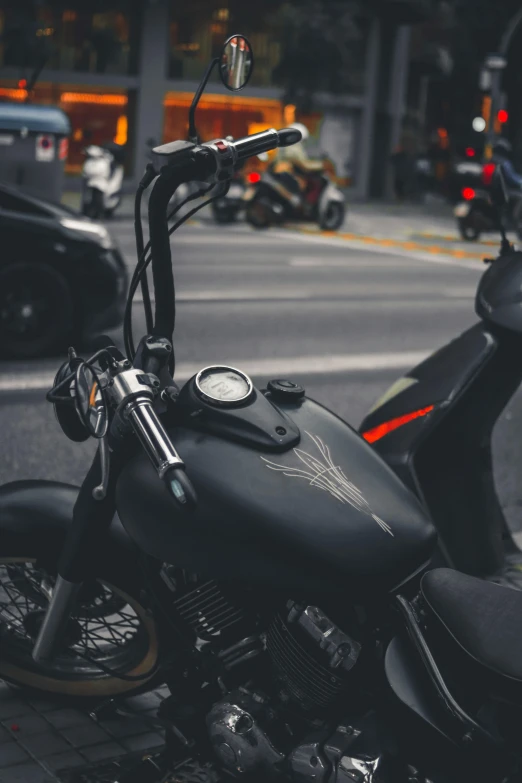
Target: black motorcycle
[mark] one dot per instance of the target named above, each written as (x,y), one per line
(434,426)
(264,562)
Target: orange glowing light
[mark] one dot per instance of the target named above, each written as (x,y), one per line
(376,433)
(121,130)
(87,97)
(14,95)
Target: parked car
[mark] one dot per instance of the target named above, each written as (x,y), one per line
(61,276)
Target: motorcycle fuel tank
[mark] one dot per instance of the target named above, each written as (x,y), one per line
(499,294)
(324,512)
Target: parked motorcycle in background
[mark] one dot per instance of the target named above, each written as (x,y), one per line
(295,188)
(102,175)
(476,214)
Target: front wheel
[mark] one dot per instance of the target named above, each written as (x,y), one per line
(258,214)
(93,205)
(333,216)
(108,624)
(517,218)
(224,215)
(36,310)
(468,229)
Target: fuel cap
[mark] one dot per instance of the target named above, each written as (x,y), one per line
(283,390)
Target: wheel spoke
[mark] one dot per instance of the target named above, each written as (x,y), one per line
(102,626)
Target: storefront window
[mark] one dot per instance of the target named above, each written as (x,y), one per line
(220,115)
(95,37)
(198,30)
(96,117)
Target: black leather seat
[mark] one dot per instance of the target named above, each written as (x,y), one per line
(483,618)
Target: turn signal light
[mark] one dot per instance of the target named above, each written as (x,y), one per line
(468,194)
(376,433)
(254,177)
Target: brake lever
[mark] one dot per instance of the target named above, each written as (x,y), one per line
(100,492)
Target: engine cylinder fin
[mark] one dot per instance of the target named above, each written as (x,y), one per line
(300,664)
(208,610)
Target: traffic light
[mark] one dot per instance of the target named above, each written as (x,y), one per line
(502,116)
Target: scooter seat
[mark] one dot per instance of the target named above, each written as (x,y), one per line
(484,619)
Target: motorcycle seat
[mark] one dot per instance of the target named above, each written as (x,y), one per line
(483,619)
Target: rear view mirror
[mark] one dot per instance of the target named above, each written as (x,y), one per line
(236,63)
(499,191)
(235,69)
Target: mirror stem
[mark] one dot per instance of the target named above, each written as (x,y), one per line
(193,134)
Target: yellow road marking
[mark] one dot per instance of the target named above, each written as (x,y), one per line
(383,242)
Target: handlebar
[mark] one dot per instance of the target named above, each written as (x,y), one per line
(178,162)
(250,146)
(162,454)
(133,396)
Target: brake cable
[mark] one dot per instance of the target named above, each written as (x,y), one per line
(144,260)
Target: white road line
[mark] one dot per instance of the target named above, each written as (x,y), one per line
(305,365)
(389,251)
(380,295)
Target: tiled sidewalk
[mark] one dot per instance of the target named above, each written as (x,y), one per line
(40,737)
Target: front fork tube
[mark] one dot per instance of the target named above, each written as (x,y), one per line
(92,517)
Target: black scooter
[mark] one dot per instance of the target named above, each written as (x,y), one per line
(269,572)
(477,215)
(434,426)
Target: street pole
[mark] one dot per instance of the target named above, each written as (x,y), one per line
(495,64)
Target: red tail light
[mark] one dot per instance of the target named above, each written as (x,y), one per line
(468,194)
(376,433)
(487,173)
(254,177)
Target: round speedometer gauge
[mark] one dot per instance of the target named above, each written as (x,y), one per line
(223,385)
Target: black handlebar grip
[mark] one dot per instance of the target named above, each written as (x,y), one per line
(289,136)
(180,488)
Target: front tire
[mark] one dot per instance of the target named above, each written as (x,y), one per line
(110,601)
(468,230)
(224,215)
(93,206)
(257,214)
(517,218)
(333,217)
(36,310)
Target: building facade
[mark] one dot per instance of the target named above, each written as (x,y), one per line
(126,70)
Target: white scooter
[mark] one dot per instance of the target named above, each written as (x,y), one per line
(102,180)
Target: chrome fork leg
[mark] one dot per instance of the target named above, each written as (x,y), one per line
(62,600)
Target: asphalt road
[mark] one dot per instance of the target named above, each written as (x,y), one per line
(342,318)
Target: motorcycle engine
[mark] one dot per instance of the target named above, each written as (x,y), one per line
(311,655)
(311,659)
(284,682)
